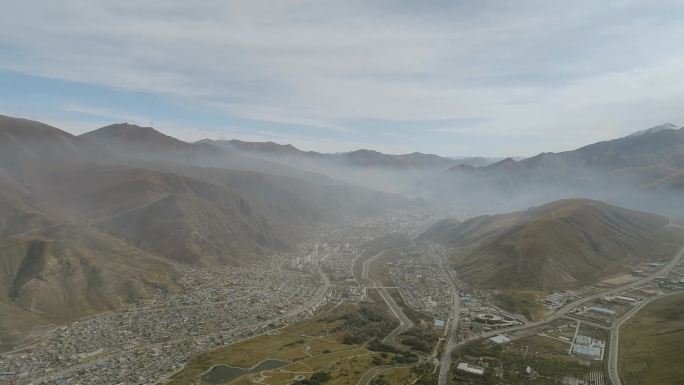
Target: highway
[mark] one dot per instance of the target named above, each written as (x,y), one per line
(445,364)
(452,343)
(452,335)
(613,353)
(572,305)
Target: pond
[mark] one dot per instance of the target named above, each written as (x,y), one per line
(220,374)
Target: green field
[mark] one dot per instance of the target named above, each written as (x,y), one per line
(652,344)
(340,343)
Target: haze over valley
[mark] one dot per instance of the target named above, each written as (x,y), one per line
(329,193)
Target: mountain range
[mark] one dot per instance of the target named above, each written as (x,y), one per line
(90,222)
(363,157)
(641,171)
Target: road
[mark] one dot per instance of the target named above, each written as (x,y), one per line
(452,335)
(451,344)
(405,323)
(613,353)
(445,365)
(565,309)
(371,374)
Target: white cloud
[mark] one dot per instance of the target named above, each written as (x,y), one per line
(537,69)
(108,113)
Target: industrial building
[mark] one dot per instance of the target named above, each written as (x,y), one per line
(622,300)
(469,368)
(588,347)
(488,318)
(500,339)
(438,324)
(587,351)
(554,300)
(601,310)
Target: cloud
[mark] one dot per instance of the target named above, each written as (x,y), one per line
(108,113)
(561,72)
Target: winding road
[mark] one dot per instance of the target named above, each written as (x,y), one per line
(405,323)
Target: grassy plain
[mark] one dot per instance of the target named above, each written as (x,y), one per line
(315,345)
(652,344)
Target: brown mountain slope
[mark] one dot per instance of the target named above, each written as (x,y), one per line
(130,140)
(65,272)
(133,144)
(74,270)
(29,149)
(85,226)
(222,216)
(563,244)
(174,216)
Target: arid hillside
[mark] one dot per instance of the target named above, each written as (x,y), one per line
(563,244)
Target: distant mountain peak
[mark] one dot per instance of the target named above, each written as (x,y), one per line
(132,133)
(653,130)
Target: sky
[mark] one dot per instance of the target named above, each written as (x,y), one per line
(455,78)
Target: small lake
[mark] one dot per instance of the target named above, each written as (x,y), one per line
(220,374)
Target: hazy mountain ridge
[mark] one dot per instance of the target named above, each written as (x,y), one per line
(361,157)
(90,222)
(138,145)
(620,171)
(406,174)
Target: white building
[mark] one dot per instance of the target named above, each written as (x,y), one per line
(469,368)
(500,339)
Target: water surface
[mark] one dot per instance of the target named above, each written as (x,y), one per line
(220,374)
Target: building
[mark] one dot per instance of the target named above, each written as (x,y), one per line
(588,347)
(438,324)
(591,352)
(554,300)
(469,368)
(601,310)
(583,340)
(488,318)
(626,300)
(500,339)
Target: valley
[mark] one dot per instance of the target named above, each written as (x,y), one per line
(341,192)
(166,262)
(237,318)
